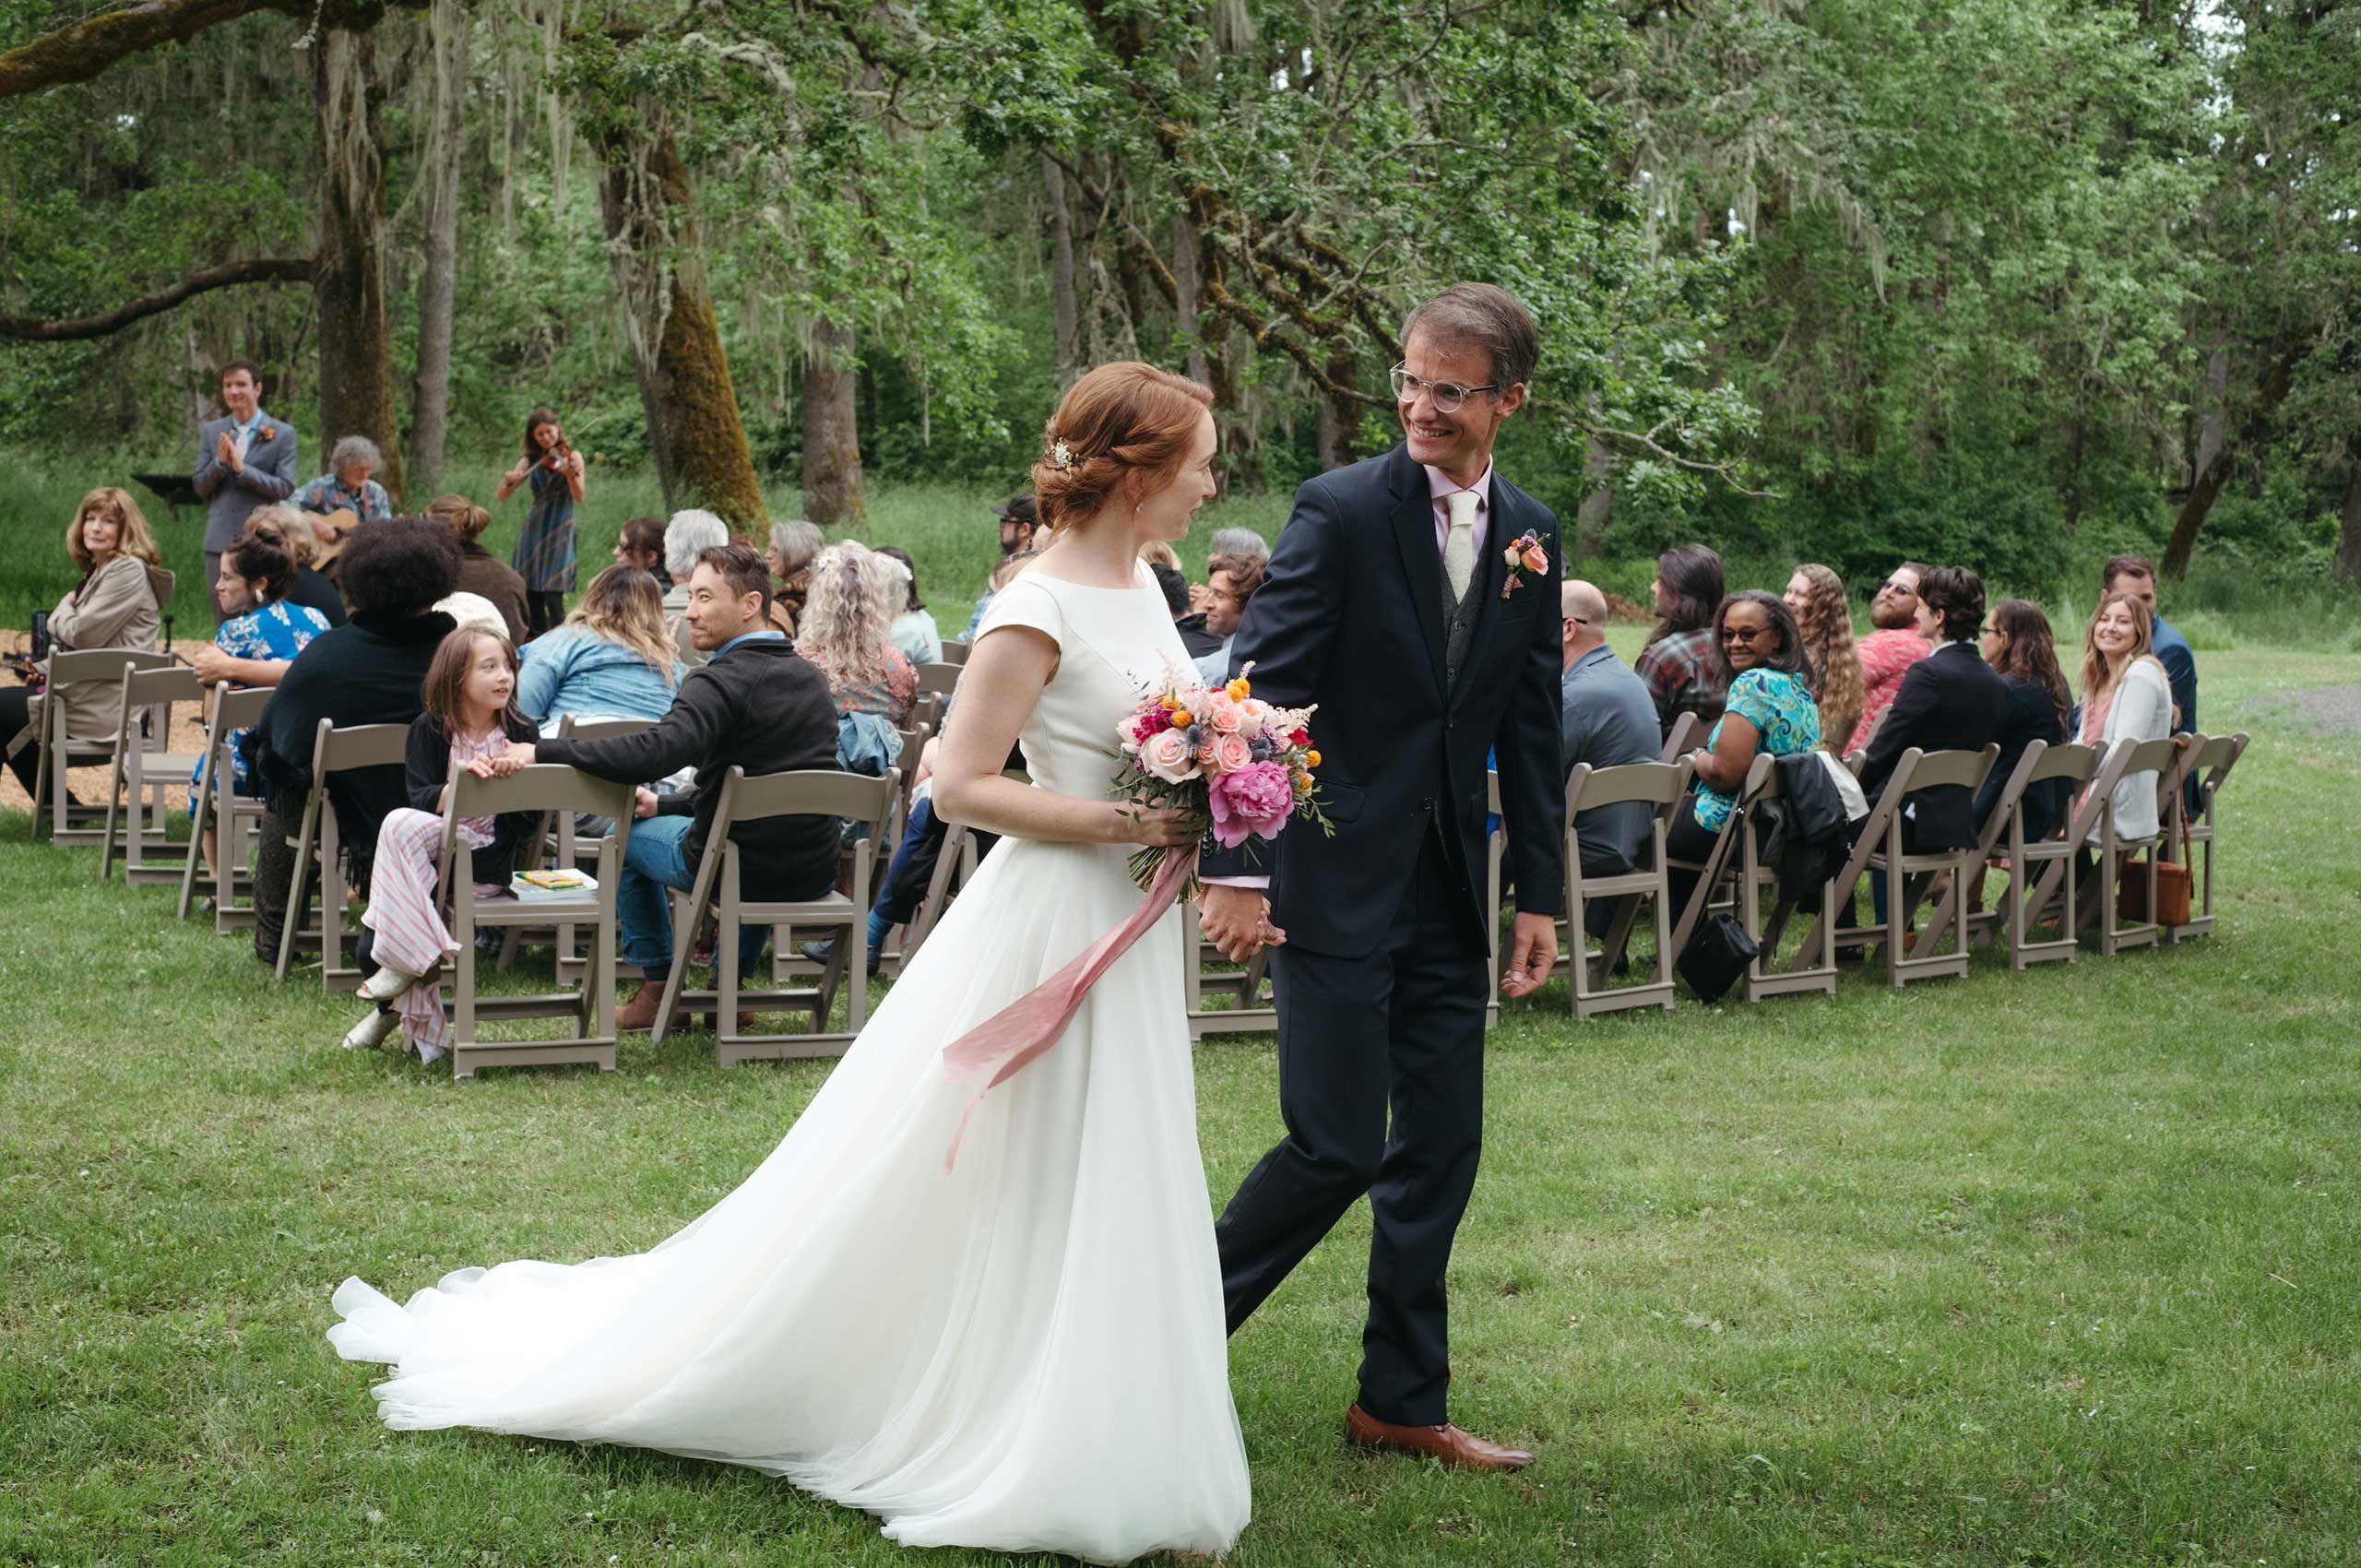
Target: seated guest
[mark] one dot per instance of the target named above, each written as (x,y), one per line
(1157,553)
(480,572)
(255,645)
(118,603)
(794,546)
(1948,701)
(612,659)
(1816,594)
(847,623)
(755,703)
(688,536)
(2019,648)
(310,589)
(1758,662)
(368,670)
(641,546)
(2127,695)
(913,630)
(1607,719)
(1893,646)
(1017,517)
(469,718)
(1680,659)
(1227,541)
(1174,586)
(347,487)
(2136,575)
(1230,582)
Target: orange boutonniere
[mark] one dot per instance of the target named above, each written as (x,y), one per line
(1527,559)
(268,434)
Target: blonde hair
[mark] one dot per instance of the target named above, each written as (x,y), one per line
(2099,673)
(847,624)
(1157,553)
(1826,621)
(289,526)
(624,605)
(132,537)
(461,515)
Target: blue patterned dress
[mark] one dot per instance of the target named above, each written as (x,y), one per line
(1786,721)
(279,630)
(544,555)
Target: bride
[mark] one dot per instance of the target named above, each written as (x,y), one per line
(1025,1353)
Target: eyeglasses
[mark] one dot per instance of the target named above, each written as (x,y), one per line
(1446,395)
(1576,621)
(1896,585)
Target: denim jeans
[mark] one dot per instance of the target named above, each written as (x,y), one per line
(655,860)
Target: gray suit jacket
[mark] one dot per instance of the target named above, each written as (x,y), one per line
(229,495)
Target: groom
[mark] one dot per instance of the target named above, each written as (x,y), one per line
(1391,602)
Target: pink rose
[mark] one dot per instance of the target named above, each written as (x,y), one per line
(1166,755)
(1231,752)
(1537,559)
(1254,802)
(1224,716)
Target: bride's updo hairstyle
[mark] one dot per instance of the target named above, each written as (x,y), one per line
(1120,420)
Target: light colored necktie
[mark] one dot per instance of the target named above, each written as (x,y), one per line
(1459,544)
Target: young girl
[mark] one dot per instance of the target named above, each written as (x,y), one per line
(545,550)
(471,718)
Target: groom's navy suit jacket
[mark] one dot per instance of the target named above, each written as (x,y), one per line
(1351,616)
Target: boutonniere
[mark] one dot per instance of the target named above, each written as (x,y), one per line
(1527,559)
(268,434)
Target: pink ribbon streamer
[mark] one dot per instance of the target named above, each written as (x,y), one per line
(1025,1029)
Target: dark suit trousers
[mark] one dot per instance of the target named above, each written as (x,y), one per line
(1402,1027)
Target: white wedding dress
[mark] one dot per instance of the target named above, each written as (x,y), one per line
(1025,1353)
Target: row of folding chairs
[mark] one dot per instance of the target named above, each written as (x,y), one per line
(2044,885)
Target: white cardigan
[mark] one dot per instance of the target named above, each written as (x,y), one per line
(2143,710)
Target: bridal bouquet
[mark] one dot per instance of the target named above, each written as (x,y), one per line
(1221,753)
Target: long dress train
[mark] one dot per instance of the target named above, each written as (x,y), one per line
(1025,1353)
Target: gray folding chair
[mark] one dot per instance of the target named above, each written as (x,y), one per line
(860,800)
(1908,874)
(1762,978)
(956,651)
(2099,904)
(334,751)
(2093,777)
(1683,738)
(1953,904)
(1854,758)
(938,680)
(1251,1009)
(545,787)
(215,803)
(144,773)
(2208,762)
(565,845)
(72,821)
(1660,786)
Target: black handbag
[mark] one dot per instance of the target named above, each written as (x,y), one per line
(1718,952)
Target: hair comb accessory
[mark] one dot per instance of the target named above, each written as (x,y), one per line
(1062,454)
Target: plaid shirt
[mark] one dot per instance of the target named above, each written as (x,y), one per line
(1679,671)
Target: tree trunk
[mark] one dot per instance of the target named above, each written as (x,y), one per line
(691,404)
(1591,517)
(2347,569)
(2206,487)
(356,352)
(1185,300)
(1065,310)
(832,492)
(1340,418)
(447,30)
(2212,413)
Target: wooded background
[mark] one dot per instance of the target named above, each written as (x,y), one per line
(2014,282)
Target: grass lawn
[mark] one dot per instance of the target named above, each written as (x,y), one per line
(2051,1268)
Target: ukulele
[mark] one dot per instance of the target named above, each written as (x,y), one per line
(344,519)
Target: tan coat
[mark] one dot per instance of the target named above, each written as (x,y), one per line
(120,605)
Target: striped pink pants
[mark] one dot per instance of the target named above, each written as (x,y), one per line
(411,933)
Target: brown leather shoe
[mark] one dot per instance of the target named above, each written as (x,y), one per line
(1458,1449)
(637,1017)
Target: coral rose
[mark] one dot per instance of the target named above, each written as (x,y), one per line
(1231,752)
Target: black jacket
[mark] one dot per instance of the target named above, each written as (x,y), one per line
(1951,700)
(317,592)
(426,768)
(368,671)
(2031,716)
(1194,636)
(1807,835)
(1351,616)
(761,707)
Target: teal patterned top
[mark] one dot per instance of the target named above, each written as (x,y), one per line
(1785,721)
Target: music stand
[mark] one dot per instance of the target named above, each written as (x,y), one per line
(175,491)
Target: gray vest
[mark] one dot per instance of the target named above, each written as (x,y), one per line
(1459,621)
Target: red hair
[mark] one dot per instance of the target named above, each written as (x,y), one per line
(1120,420)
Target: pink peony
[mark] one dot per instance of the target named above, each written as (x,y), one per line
(1231,752)
(1166,755)
(1254,802)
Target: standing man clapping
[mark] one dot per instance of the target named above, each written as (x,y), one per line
(244,460)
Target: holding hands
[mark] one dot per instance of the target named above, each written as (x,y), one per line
(501,766)
(1237,921)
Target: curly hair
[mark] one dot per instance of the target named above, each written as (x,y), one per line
(1826,621)
(847,624)
(622,605)
(1121,421)
(400,567)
